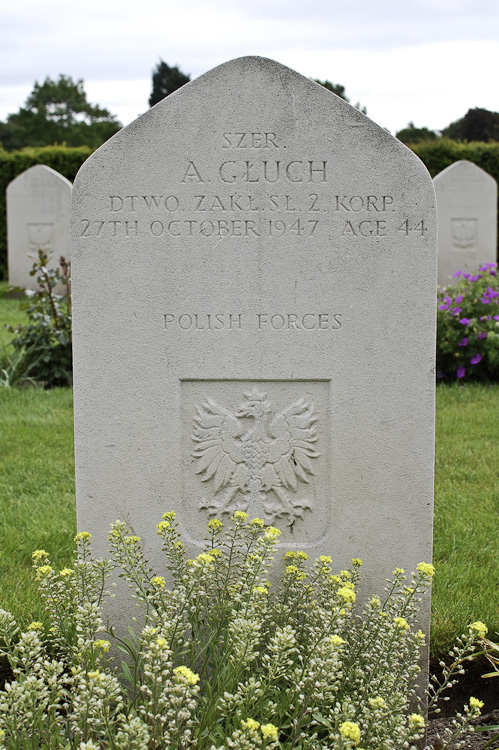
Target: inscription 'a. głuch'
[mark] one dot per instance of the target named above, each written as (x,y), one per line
(266,171)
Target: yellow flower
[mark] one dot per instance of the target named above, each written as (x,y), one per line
(158,581)
(400,623)
(104,645)
(43,571)
(336,640)
(162,526)
(480,629)
(95,675)
(398,572)
(257,522)
(378,702)
(269,731)
(260,590)
(271,533)
(347,594)
(416,721)
(420,635)
(83,536)
(38,554)
(240,515)
(426,569)
(345,574)
(375,602)
(161,642)
(215,553)
(185,676)
(290,555)
(301,555)
(250,724)
(475,703)
(357,562)
(215,525)
(66,572)
(350,731)
(335,579)
(169,516)
(35,626)
(204,559)
(325,559)
(131,539)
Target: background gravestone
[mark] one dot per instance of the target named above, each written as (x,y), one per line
(254,278)
(38,208)
(467,219)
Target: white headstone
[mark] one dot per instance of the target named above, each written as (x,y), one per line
(254,279)
(38,208)
(467,219)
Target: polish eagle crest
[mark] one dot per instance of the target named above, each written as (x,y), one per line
(255,458)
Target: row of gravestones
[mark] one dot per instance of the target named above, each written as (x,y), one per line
(253,280)
(38,207)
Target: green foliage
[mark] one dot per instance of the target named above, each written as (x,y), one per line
(166,80)
(441,153)
(58,112)
(220,662)
(412,134)
(66,161)
(476,125)
(468,327)
(44,342)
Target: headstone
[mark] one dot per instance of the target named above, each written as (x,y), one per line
(254,281)
(467,219)
(38,208)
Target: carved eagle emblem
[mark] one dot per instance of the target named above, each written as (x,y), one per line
(255,458)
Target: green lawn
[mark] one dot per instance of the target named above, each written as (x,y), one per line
(37,502)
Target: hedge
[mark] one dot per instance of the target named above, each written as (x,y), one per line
(437,155)
(66,161)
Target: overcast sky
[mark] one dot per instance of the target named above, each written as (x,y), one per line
(423,60)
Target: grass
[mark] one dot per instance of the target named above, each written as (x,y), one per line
(37,500)
(10,314)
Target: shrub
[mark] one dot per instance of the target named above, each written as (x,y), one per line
(44,344)
(468,327)
(221,662)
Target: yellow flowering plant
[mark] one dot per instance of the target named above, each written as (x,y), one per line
(221,657)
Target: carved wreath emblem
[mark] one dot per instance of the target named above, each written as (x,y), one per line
(253,457)
(464,233)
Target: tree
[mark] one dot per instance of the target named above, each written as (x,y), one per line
(58,112)
(412,134)
(476,125)
(339,90)
(165,81)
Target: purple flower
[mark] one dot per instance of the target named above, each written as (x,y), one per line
(491,292)
(466,276)
(461,372)
(485,300)
(463,342)
(455,311)
(476,359)
(495,317)
(465,321)
(476,277)
(456,275)
(446,303)
(459,298)
(482,335)
(493,273)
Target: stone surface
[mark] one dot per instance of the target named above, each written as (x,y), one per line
(254,278)
(38,207)
(467,219)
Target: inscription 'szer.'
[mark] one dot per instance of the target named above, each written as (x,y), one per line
(256,465)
